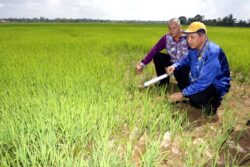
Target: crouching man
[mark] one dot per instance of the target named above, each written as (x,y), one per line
(209,78)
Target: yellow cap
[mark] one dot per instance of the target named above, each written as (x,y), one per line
(195,27)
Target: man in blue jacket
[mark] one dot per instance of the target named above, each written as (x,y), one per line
(209,78)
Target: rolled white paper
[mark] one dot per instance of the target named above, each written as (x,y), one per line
(152,81)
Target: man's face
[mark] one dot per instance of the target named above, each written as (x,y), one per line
(174,29)
(195,41)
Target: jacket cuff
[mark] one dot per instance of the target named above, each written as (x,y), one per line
(142,64)
(175,65)
(184,92)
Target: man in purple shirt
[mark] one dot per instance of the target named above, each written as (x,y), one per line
(176,46)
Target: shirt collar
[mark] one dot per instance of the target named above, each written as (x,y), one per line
(203,49)
(182,37)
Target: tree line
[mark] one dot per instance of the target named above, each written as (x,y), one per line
(225,21)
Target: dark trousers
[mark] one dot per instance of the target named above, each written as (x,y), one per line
(207,99)
(162,61)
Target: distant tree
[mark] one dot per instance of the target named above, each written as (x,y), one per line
(248,22)
(199,17)
(228,20)
(183,19)
(210,22)
(191,19)
(219,22)
(242,23)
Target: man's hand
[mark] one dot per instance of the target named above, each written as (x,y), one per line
(139,69)
(170,70)
(176,97)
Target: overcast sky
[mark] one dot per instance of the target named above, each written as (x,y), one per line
(124,9)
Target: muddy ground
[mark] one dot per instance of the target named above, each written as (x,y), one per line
(236,147)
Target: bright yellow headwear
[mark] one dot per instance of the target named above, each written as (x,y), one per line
(195,27)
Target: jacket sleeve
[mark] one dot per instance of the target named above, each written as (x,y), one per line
(185,61)
(159,46)
(208,73)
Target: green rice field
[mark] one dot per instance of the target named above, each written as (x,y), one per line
(69,97)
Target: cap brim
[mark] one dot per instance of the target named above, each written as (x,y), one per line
(188,32)
(192,32)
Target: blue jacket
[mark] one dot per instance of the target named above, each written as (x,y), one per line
(211,68)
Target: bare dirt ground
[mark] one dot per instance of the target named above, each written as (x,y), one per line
(236,146)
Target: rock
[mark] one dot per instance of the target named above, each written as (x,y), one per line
(166,141)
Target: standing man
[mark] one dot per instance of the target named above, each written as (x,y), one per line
(176,45)
(209,78)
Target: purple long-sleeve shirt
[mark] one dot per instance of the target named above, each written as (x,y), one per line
(176,50)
